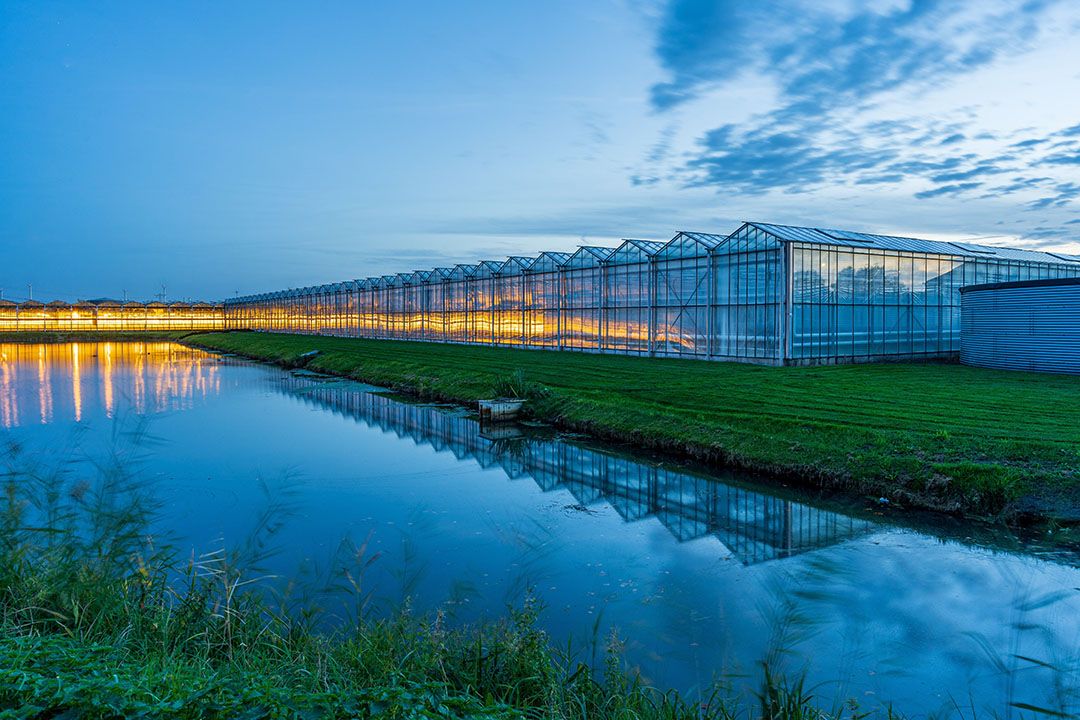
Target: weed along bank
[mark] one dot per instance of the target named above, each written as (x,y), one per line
(767,294)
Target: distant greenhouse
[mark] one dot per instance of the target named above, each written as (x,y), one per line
(105,315)
(771,294)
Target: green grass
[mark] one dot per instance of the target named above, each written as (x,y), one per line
(935,435)
(62,336)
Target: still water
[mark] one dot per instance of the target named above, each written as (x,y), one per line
(701,576)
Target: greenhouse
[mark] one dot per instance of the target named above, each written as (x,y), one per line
(764,293)
(112,315)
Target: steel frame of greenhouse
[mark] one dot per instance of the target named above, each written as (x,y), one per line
(770,294)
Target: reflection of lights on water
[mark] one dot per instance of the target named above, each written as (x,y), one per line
(76,382)
(44,387)
(107,379)
(8,407)
(153,376)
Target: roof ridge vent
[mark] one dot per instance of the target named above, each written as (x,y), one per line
(842,236)
(978,249)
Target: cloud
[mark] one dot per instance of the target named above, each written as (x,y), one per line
(1064,194)
(826,55)
(880,179)
(763,159)
(947,190)
(1017,185)
(840,92)
(983,168)
(1063,159)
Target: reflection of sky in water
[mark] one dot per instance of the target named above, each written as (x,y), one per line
(696,575)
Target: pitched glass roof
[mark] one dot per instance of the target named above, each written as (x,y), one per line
(515,265)
(548,262)
(846,238)
(633,251)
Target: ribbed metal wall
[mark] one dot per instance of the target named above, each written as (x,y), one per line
(1032,325)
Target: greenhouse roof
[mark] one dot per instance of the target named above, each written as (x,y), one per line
(548,262)
(632,250)
(846,238)
(588,256)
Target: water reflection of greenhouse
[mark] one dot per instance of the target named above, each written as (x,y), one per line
(765,293)
(753,526)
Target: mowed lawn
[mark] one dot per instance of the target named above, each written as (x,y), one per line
(932,434)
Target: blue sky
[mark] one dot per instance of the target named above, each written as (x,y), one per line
(223,147)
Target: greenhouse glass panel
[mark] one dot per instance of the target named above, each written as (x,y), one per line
(456,300)
(415,293)
(481,303)
(681,271)
(543,299)
(509,301)
(747,296)
(582,293)
(627,297)
(435,322)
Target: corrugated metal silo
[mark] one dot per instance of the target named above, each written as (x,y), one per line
(1031,325)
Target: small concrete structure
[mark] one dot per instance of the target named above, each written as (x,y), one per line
(499,409)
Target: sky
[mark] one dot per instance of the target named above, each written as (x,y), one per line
(219,148)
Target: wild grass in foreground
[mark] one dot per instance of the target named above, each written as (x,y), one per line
(937,435)
(100,620)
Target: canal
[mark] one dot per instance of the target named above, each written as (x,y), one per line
(700,576)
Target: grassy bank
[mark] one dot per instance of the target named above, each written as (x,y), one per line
(95,336)
(939,436)
(98,621)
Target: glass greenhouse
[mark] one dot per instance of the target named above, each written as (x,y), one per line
(772,294)
(112,315)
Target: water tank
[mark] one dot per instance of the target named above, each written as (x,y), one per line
(1027,325)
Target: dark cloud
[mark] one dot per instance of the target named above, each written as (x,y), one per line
(948,190)
(764,159)
(1064,194)
(879,179)
(827,61)
(1017,185)
(1042,233)
(1063,159)
(983,168)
